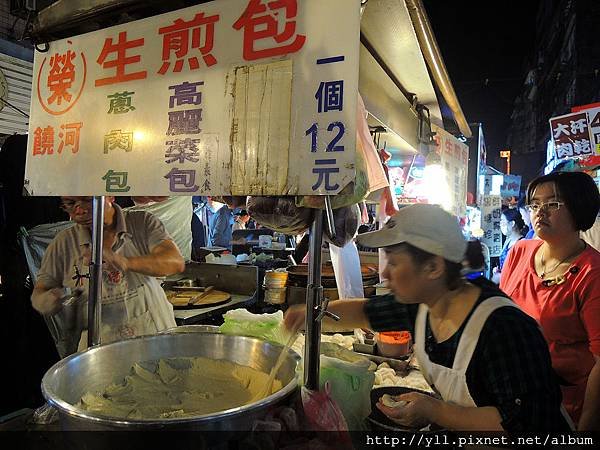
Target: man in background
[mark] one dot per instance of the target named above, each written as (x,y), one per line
(220,225)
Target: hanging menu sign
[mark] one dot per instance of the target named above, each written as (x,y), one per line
(227,97)
(491,210)
(454,157)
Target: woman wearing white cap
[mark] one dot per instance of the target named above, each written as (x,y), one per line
(486,358)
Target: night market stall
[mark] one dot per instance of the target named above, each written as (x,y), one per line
(162,107)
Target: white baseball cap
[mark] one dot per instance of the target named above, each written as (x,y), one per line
(427,227)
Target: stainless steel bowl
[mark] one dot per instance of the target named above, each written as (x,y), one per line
(192,329)
(94,369)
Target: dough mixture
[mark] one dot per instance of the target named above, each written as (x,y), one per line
(178,387)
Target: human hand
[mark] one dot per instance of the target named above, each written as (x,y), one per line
(114,261)
(295,317)
(52,300)
(111,260)
(418,412)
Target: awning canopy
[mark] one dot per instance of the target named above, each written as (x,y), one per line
(394,74)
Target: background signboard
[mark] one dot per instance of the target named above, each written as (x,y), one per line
(511,186)
(226,97)
(593,114)
(491,210)
(571,135)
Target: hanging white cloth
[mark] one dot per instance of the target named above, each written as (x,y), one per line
(346,266)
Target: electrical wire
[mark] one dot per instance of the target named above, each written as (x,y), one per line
(14,107)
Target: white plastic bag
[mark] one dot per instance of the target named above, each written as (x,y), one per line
(346,267)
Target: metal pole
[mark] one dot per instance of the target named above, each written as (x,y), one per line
(314,297)
(329,216)
(204,212)
(95,294)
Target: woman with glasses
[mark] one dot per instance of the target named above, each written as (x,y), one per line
(556,280)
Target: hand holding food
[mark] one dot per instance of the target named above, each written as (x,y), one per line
(413,410)
(391,402)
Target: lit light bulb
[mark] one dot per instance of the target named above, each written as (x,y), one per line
(437,190)
(139,135)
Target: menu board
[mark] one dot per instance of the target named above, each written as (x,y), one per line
(226,97)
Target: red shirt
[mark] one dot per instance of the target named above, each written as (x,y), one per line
(568,313)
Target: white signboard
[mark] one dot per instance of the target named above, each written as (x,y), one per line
(227,97)
(491,210)
(455,160)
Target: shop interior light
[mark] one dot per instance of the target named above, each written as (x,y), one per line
(435,182)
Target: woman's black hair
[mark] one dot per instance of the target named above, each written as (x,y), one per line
(579,193)
(473,258)
(514,215)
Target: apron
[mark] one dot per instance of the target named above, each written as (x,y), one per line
(451,382)
(132,304)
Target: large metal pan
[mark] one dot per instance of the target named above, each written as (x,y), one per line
(92,370)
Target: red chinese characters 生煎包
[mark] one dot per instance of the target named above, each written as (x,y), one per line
(261,25)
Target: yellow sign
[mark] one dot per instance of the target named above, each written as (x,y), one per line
(505,154)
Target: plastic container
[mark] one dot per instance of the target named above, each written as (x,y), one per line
(274,284)
(364,348)
(275,296)
(393,344)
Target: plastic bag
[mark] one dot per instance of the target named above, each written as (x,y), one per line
(321,411)
(45,415)
(350,378)
(346,267)
(346,221)
(280,214)
(268,327)
(176,215)
(387,202)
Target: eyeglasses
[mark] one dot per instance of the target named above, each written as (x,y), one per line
(549,206)
(70,205)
